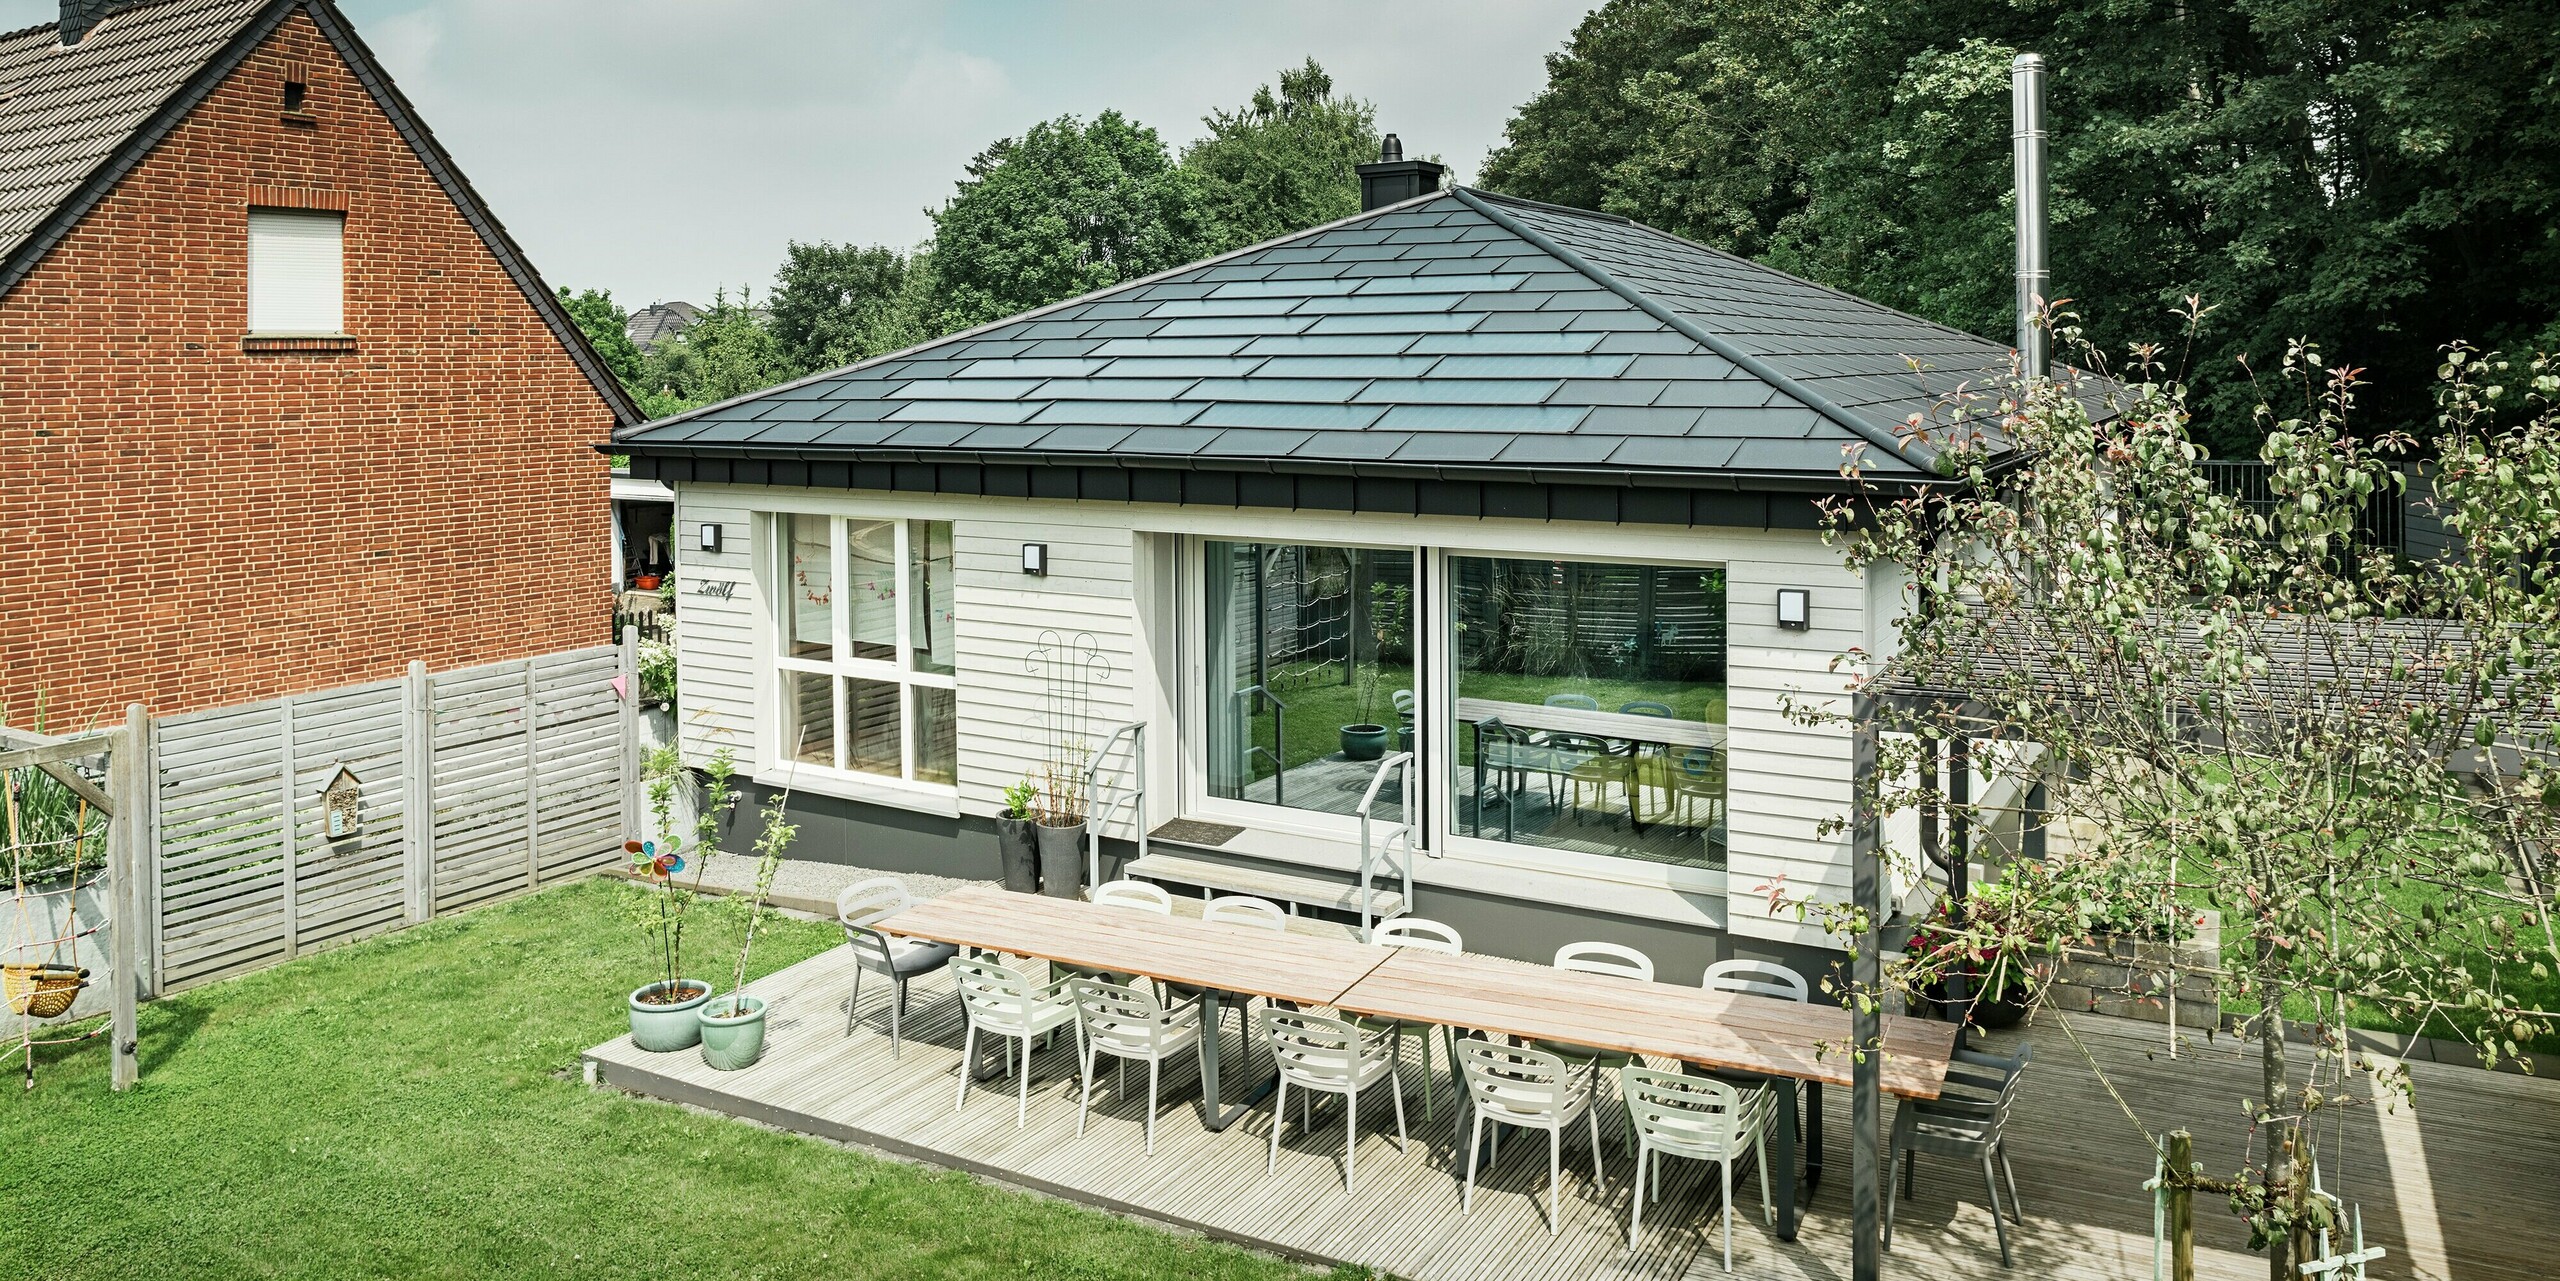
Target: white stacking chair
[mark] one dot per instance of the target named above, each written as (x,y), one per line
(1324,1055)
(1129,1023)
(1528,1087)
(1613,959)
(1000,1002)
(1701,1118)
(1234,909)
(1430,936)
(896,959)
(1138,896)
(1757,978)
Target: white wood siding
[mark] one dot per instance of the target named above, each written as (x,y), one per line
(1786,780)
(717,638)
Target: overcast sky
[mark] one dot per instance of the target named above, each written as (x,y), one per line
(662,147)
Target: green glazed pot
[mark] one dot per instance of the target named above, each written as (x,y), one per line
(1364,742)
(732,1032)
(660,1029)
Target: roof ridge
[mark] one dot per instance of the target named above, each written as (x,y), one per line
(1908,449)
(1037,312)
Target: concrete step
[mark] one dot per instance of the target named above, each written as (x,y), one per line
(1288,889)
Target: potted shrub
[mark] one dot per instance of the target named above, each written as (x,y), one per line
(1017,837)
(732,1026)
(1367,740)
(1060,815)
(1990,950)
(663,1011)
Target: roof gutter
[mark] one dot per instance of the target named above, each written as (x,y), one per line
(1916,452)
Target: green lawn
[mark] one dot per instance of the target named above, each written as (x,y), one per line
(411,1107)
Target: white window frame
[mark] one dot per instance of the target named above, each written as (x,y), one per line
(1194,598)
(840,662)
(334,287)
(1441,783)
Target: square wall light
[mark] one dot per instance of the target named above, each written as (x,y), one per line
(1795,608)
(1035,559)
(711,538)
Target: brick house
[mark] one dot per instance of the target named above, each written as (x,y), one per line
(282,407)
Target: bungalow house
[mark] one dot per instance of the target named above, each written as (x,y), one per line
(1532,490)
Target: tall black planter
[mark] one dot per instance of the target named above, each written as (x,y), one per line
(1019,845)
(1062,860)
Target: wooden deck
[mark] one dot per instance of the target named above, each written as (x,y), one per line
(2459,1187)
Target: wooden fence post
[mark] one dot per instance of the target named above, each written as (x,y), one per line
(290,833)
(126,852)
(2182,1205)
(532,777)
(630,728)
(418,812)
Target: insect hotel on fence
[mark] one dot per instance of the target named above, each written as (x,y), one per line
(342,805)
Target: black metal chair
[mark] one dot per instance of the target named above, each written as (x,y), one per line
(1967,1121)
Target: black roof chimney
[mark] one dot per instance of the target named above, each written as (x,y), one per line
(1392,179)
(80,15)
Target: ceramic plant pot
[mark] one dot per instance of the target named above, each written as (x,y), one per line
(1061,860)
(732,1032)
(1018,842)
(1364,742)
(661,1029)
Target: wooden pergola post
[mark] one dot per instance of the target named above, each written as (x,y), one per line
(1866,975)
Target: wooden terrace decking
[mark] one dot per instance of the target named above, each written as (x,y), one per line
(2462,1187)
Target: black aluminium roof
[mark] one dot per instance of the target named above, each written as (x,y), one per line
(74,119)
(1461,334)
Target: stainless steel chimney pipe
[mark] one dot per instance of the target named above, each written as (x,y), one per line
(2026,151)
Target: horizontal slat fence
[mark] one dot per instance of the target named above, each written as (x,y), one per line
(475,784)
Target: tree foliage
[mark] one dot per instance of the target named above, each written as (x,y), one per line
(838,304)
(1285,161)
(2375,175)
(1064,209)
(607,328)
(2353,759)
(730,351)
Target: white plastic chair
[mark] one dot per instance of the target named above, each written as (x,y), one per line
(1703,1119)
(896,959)
(1329,1056)
(1430,936)
(1528,1087)
(1234,909)
(1129,1023)
(1757,978)
(1617,961)
(999,1001)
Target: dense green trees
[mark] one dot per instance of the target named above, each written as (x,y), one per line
(837,304)
(2378,175)
(1283,162)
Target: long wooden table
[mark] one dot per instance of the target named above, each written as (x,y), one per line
(1213,956)
(1786,1041)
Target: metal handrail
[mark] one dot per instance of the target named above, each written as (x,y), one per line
(1407,831)
(1134,794)
(1279,740)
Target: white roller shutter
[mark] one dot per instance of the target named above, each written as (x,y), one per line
(297,272)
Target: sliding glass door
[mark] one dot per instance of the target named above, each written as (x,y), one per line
(1307,672)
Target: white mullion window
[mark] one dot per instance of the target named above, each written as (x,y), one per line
(864,652)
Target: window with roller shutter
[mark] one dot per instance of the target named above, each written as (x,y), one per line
(297,271)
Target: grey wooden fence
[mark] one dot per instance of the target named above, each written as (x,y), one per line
(472,784)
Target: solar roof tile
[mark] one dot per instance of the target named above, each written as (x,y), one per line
(1314,391)
(1081,439)
(1255,442)
(1494,418)
(1335,418)
(966,411)
(1112,388)
(1436,390)
(1134,413)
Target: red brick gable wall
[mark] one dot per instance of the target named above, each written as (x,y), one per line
(187,524)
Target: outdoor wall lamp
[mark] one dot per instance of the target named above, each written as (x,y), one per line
(711,539)
(1795,608)
(1035,559)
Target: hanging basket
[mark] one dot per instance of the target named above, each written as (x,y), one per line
(41,991)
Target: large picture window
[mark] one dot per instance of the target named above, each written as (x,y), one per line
(1588,708)
(1310,671)
(864,657)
